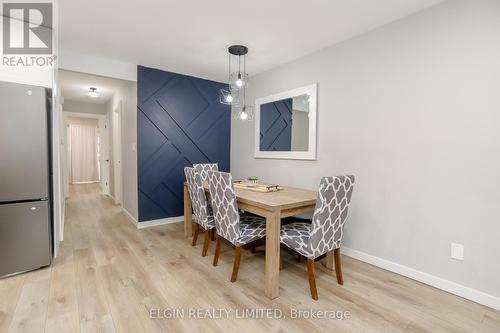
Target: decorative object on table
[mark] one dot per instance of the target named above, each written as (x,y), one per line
(235,93)
(264,188)
(252,180)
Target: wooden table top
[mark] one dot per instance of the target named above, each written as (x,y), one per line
(289,197)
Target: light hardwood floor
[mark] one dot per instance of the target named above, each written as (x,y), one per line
(109,275)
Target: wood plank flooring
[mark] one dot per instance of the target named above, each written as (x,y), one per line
(109,275)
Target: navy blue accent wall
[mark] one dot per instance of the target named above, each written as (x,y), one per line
(179,122)
(276,125)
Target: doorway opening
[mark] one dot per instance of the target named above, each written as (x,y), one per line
(84,147)
(92,135)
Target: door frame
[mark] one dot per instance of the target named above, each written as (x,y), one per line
(101,119)
(117,153)
(105,154)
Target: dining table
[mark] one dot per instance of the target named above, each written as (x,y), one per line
(273,206)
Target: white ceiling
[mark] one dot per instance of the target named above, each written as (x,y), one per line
(191,36)
(76,86)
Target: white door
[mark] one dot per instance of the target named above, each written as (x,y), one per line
(104,154)
(117,153)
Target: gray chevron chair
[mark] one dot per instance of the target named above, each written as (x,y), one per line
(204,168)
(324,234)
(229,224)
(202,216)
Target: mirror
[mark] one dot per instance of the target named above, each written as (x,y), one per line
(285,124)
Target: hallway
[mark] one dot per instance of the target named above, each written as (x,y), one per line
(108,275)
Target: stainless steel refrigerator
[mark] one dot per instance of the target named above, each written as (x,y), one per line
(25,178)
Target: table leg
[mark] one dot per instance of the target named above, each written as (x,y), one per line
(272,267)
(188,214)
(329,260)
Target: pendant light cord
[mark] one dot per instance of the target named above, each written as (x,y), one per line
(244,78)
(229,72)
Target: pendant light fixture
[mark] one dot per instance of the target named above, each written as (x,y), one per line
(235,94)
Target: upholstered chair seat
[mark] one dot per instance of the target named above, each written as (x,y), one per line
(325,232)
(251,228)
(296,236)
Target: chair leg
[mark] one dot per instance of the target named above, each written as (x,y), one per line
(253,247)
(206,242)
(338,266)
(196,232)
(312,279)
(217,249)
(236,265)
(212,234)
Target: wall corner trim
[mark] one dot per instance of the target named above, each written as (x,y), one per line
(431,280)
(152,223)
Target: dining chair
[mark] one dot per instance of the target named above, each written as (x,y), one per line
(202,217)
(204,168)
(238,229)
(324,234)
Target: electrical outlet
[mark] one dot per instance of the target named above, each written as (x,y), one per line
(457,251)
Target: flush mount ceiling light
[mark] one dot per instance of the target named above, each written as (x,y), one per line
(235,93)
(93,92)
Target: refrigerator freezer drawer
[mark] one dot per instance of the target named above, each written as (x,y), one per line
(24,237)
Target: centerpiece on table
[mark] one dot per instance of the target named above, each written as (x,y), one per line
(252,180)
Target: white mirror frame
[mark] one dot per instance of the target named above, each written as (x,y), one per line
(312,90)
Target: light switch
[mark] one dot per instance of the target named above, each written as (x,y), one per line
(457,251)
(133,146)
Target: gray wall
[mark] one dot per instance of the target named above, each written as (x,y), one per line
(84,107)
(127,94)
(110,107)
(300,130)
(82,121)
(129,153)
(413,110)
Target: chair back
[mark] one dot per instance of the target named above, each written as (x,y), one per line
(330,214)
(197,194)
(204,168)
(224,204)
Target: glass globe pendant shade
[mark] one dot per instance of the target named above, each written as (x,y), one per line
(227,97)
(239,81)
(244,112)
(243,115)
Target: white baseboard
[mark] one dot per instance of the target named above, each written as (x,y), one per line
(152,223)
(434,281)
